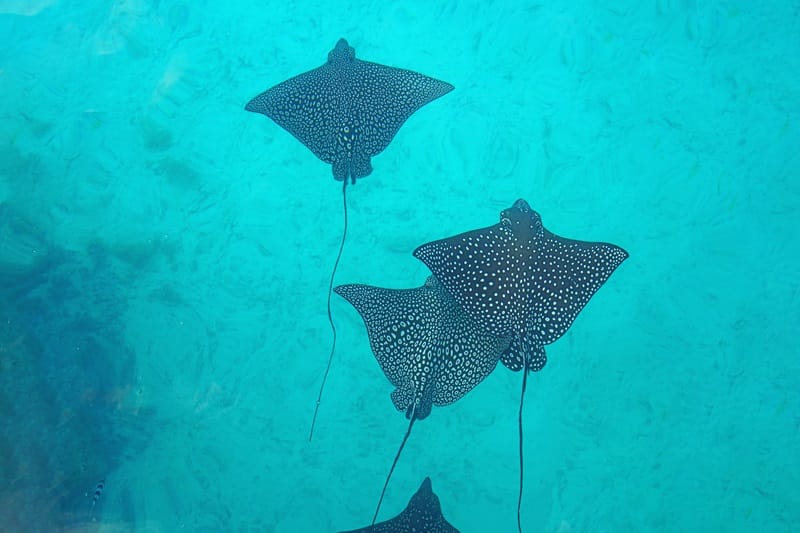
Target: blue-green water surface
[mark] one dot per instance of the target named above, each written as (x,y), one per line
(165,258)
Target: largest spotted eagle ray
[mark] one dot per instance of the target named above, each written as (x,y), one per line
(517,278)
(346,111)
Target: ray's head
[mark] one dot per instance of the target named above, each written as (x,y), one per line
(426,500)
(522,221)
(342,53)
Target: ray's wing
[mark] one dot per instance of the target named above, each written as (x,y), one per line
(569,273)
(308,106)
(383,98)
(396,323)
(423,514)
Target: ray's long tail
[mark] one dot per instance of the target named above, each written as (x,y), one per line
(330,316)
(521,465)
(391,470)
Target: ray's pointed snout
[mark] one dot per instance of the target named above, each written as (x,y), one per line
(522,205)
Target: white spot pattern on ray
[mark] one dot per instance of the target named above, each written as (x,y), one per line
(428,348)
(516,278)
(422,515)
(347,110)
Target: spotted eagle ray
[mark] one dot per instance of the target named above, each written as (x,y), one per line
(346,112)
(422,514)
(428,348)
(517,278)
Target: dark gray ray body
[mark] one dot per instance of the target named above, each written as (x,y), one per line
(347,110)
(422,515)
(428,348)
(517,278)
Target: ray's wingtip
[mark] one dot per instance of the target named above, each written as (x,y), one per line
(351,292)
(443,88)
(418,250)
(257,104)
(341,289)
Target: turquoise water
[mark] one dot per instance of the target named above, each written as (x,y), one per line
(164,261)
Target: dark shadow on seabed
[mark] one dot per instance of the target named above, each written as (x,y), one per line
(67,385)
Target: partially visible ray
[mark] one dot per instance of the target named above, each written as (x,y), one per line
(423,514)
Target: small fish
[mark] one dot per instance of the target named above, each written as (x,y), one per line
(98,490)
